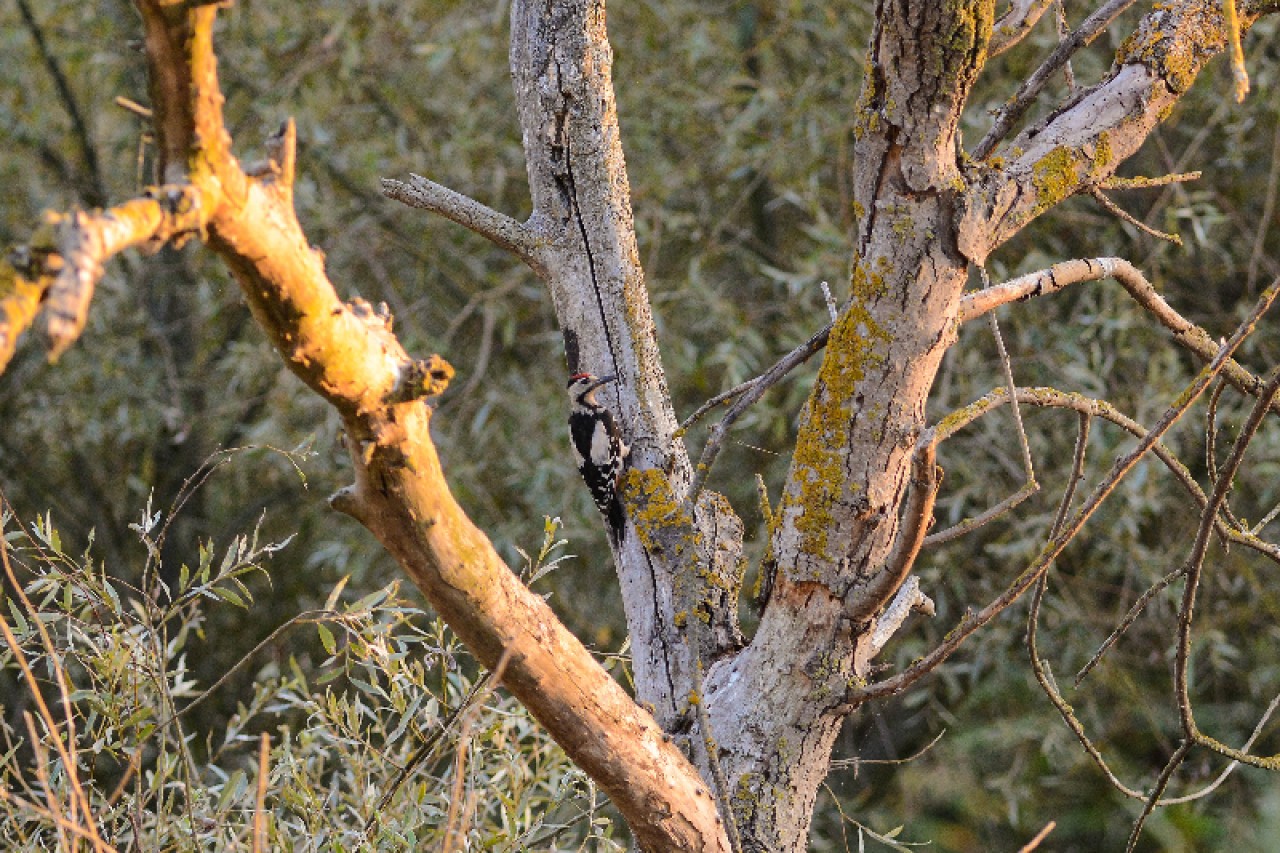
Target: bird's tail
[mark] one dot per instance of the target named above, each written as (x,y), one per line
(617,517)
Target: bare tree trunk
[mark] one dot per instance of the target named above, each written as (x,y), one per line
(776,712)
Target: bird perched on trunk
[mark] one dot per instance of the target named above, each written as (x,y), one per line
(598,446)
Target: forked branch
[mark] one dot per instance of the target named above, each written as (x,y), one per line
(1032,86)
(747,394)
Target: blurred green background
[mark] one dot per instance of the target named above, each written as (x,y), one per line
(737,125)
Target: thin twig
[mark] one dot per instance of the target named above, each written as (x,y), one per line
(1268,210)
(1031,87)
(1266,519)
(306,618)
(1129,618)
(983,518)
(459,807)
(1194,568)
(1211,451)
(1119,212)
(42,776)
(1064,31)
(917,516)
(259,803)
(809,347)
(1161,783)
(749,396)
(97,195)
(1239,74)
(1115,183)
(1211,434)
(841,763)
(1039,836)
(1013,26)
(832,311)
(720,399)
(1007,366)
(132,106)
(1038,666)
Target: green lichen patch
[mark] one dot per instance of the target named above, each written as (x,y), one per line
(1055,176)
(857,343)
(1063,171)
(657,513)
(1175,43)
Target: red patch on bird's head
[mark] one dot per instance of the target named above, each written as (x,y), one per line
(575,377)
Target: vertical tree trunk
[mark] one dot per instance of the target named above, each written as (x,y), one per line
(777,708)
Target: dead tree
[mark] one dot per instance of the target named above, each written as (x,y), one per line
(728,738)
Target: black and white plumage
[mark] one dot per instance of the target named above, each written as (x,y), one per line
(598,447)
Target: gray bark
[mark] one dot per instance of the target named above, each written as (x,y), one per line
(759,719)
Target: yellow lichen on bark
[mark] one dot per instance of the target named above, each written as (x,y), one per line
(857,342)
(1178,52)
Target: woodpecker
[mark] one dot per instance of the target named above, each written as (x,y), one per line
(598,446)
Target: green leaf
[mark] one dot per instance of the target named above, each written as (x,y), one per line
(18,618)
(332,601)
(326,638)
(231,596)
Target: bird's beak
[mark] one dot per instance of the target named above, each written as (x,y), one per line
(603,380)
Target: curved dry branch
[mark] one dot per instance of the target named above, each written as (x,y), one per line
(865,601)
(1120,213)
(1194,569)
(1059,276)
(972,621)
(1038,666)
